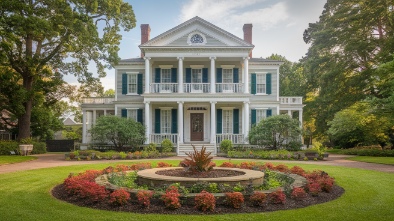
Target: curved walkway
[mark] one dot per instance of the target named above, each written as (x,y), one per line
(55,160)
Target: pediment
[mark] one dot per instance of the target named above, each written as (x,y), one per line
(196,32)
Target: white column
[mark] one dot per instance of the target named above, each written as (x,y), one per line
(300,116)
(246,75)
(289,113)
(180,122)
(213,122)
(213,73)
(180,74)
(246,119)
(147,75)
(84,126)
(94,117)
(105,112)
(147,122)
(243,120)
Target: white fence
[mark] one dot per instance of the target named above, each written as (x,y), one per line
(158,138)
(164,88)
(235,138)
(197,88)
(290,100)
(98,100)
(229,88)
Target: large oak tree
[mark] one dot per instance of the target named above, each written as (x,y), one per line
(61,35)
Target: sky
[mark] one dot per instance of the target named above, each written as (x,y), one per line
(278,25)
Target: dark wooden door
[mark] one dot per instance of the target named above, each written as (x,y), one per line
(197,126)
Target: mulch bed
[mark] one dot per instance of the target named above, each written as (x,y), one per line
(209,174)
(157,206)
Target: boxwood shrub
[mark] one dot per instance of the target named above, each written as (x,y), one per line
(7,146)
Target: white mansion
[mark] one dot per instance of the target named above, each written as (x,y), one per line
(194,84)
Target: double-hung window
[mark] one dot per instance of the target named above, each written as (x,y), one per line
(260,115)
(165,79)
(227,121)
(132,83)
(132,114)
(260,84)
(165,121)
(227,80)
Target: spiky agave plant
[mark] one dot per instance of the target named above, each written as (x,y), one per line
(198,161)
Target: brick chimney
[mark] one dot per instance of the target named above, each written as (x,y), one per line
(145,35)
(248,34)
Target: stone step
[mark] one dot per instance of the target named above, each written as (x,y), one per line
(188,148)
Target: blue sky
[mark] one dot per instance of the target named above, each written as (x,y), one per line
(278,25)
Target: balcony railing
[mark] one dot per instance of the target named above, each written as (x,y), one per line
(197,88)
(164,88)
(229,88)
(235,138)
(98,100)
(290,100)
(158,138)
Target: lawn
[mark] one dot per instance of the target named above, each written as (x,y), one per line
(380,160)
(26,196)
(15,159)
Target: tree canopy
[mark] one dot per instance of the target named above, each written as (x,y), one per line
(59,35)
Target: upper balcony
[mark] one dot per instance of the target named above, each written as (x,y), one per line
(197,88)
(290,100)
(98,100)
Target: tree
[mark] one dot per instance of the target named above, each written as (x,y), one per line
(119,131)
(349,42)
(275,131)
(109,93)
(358,125)
(58,34)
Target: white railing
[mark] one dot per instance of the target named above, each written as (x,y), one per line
(158,138)
(229,88)
(235,138)
(98,100)
(197,88)
(290,100)
(164,88)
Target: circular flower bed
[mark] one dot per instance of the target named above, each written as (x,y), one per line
(84,190)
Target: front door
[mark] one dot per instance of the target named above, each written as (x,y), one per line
(197,126)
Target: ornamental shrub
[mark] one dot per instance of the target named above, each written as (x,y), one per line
(298,193)
(314,188)
(7,146)
(84,186)
(297,170)
(119,197)
(39,148)
(205,201)
(258,198)
(163,164)
(235,199)
(226,145)
(277,197)
(166,146)
(282,168)
(144,197)
(227,164)
(171,198)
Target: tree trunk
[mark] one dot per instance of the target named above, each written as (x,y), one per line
(24,119)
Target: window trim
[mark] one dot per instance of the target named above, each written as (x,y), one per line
(136,83)
(265,82)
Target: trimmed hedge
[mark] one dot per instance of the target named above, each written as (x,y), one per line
(7,146)
(368,152)
(39,148)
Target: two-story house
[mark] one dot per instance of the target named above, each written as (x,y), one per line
(194,84)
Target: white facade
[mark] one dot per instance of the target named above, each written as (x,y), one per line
(195,84)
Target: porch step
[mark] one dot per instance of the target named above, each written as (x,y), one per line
(188,148)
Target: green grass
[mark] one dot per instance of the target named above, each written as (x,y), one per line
(380,160)
(15,159)
(26,196)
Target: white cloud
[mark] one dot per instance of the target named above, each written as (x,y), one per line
(232,14)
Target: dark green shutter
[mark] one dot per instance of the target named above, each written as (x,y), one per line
(236,121)
(219,75)
(157,121)
(124,113)
(253,116)
(174,119)
(218,121)
(235,75)
(124,83)
(205,75)
(173,75)
(140,84)
(139,116)
(269,113)
(268,83)
(253,84)
(188,75)
(157,75)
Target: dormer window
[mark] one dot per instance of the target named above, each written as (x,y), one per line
(196,38)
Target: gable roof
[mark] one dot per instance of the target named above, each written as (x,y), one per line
(203,26)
